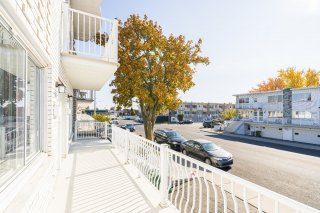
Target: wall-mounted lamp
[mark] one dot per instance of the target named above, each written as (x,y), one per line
(70,96)
(61,88)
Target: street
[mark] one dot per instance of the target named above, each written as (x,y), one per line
(290,171)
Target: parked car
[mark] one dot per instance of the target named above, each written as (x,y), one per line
(174,120)
(207,152)
(139,120)
(170,137)
(115,122)
(186,122)
(210,123)
(129,127)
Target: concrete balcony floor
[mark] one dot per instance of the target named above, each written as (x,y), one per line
(93,179)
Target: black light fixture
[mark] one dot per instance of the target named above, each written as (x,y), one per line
(61,88)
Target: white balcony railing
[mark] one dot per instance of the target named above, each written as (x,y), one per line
(89,35)
(192,186)
(284,121)
(86,95)
(249,105)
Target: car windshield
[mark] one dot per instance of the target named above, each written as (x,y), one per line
(210,146)
(173,134)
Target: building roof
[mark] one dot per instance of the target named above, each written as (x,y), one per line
(274,91)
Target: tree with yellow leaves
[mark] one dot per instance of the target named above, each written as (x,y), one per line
(290,78)
(153,68)
(312,78)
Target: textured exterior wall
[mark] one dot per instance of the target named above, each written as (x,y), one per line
(37,25)
(287,105)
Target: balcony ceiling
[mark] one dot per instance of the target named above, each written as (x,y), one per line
(89,6)
(87,73)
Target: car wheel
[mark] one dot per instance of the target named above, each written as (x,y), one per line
(184,152)
(208,161)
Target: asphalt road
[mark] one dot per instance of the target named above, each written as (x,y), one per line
(290,171)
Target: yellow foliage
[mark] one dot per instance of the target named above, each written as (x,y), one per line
(228,114)
(101,118)
(153,68)
(290,78)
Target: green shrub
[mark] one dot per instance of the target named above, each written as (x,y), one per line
(101,118)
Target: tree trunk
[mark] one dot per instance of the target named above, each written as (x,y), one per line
(148,127)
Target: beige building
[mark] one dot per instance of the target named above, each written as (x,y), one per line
(200,111)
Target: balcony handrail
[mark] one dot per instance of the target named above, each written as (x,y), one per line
(172,173)
(89,14)
(89,35)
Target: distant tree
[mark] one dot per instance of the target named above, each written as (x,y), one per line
(180,117)
(312,78)
(228,114)
(154,68)
(290,78)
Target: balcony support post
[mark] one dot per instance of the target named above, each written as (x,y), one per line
(164,175)
(76,131)
(3,142)
(106,130)
(127,145)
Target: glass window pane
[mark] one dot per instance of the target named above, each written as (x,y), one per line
(12,107)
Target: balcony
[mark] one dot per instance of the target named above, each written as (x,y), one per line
(85,95)
(133,174)
(89,49)
(249,105)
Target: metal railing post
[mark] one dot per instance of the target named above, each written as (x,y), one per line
(126,141)
(76,131)
(2,142)
(106,130)
(113,135)
(164,175)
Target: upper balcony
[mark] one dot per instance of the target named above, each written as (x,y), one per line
(89,48)
(249,105)
(85,95)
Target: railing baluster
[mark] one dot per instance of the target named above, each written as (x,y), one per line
(145,156)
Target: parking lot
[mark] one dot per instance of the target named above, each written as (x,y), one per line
(290,171)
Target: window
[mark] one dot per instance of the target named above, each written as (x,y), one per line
(274,98)
(243,100)
(275,114)
(190,143)
(19,107)
(301,114)
(255,100)
(301,97)
(197,146)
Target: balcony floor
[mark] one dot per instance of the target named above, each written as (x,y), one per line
(93,179)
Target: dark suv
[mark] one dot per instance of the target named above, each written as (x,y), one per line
(170,137)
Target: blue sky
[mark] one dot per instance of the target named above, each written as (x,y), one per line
(247,41)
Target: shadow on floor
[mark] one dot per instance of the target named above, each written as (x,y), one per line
(98,182)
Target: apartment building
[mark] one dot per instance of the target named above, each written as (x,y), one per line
(289,114)
(48,54)
(200,111)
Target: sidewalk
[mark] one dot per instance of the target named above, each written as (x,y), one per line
(268,140)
